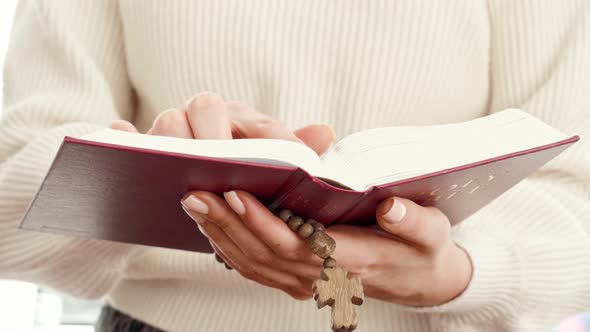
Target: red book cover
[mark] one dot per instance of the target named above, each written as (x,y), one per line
(132,195)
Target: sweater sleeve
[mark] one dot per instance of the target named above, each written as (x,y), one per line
(530,247)
(65,74)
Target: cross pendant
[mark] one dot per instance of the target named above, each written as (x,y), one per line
(336,290)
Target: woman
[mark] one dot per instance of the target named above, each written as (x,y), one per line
(519,264)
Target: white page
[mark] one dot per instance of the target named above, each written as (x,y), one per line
(384,155)
(265,151)
(370,157)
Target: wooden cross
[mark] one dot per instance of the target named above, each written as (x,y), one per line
(336,290)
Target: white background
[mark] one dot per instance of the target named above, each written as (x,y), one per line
(23,307)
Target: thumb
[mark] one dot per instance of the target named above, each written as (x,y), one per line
(317,137)
(426,227)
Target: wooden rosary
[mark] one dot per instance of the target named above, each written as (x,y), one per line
(334,288)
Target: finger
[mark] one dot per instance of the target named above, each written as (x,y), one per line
(258,273)
(361,249)
(317,137)
(272,230)
(247,123)
(218,212)
(172,123)
(426,227)
(356,245)
(208,117)
(251,270)
(303,294)
(123,126)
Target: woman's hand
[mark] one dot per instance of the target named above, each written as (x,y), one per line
(412,262)
(207,116)
(408,259)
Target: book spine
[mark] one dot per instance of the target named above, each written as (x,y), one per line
(311,197)
(281,194)
(344,217)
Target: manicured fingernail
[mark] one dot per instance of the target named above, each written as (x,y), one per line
(231,197)
(396,211)
(194,204)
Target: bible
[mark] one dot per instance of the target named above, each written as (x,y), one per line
(126,187)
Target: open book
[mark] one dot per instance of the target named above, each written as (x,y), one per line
(371,157)
(457,167)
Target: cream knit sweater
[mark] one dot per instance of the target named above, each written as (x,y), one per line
(75,66)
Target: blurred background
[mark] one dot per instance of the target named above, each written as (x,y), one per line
(24,306)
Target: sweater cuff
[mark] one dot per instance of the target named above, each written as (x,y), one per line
(496,283)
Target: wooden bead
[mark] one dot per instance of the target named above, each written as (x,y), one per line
(285,214)
(317,227)
(305,230)
(294,223)
(321,244)
(218,258)
(329,263)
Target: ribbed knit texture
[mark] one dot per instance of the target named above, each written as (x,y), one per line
(75,66)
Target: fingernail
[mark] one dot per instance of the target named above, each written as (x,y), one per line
(194,204)
(395,212)
(231,197)
(205,100)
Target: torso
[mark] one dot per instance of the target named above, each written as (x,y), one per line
(354,65)
(351,64)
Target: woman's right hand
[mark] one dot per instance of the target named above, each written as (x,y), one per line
(207,116)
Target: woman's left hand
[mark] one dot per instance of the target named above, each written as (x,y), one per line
(408,259)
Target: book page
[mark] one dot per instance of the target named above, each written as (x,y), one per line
(385,155)
(262,151)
